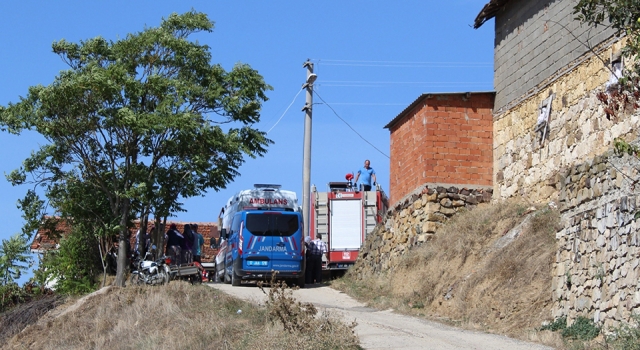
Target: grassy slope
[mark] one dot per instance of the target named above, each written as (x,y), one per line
(180,316)
(465,278)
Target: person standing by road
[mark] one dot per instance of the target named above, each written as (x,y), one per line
(175,242)
(308,269)
(198,242)
(318,249)
(368,174)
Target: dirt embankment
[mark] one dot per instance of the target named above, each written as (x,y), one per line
(176,316)
(488,268)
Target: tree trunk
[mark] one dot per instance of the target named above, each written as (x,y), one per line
(103,261)
(144,219)
(123,243)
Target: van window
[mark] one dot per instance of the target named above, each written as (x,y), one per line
(235,226)
(272,224)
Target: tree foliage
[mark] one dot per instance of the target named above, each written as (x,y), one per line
(14,258)
(74,266)
(135,117)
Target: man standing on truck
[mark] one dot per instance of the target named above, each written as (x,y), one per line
(318,249)
(368,174)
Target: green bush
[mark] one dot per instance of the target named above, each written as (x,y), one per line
(557,325)
(10,295)
(75,265)
(582,329)
(626,337)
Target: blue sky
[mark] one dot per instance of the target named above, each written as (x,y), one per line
(372,58)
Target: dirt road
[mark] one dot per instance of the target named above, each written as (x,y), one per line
(385,329)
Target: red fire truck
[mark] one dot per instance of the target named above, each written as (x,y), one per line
(345,216)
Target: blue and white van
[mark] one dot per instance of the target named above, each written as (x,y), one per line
(262,235)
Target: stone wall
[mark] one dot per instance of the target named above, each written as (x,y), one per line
(578,132)
(597,266)
(413,221)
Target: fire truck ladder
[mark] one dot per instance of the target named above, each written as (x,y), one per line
(370,211)
(322,214)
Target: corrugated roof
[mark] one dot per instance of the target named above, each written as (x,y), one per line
(429,95)
(488,12)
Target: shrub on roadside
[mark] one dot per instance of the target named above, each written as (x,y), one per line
(10,295)
(300,320)
(625,337)
(75,265)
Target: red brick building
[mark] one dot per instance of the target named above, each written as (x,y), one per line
(442,138)
(44,241)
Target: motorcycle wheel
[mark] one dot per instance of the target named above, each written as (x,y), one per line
(197,279)
(136,279)
(167,274)
(164,279)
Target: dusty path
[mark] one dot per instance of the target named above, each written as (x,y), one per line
(385,329)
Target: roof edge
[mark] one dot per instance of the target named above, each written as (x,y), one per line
(488,12)
(425,96)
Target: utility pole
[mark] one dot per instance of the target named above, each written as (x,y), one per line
(306,166)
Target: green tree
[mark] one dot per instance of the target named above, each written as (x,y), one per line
(14,258)
(130,111)
(75,264)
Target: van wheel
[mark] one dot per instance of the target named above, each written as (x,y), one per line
(226,277)
(235,280)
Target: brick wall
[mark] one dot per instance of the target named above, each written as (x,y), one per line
(442,139)
(44,241)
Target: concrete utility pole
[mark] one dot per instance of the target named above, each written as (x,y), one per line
(306,166)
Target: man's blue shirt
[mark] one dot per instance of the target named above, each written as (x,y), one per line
(365,175)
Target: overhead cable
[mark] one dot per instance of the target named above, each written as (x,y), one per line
(285,112)
(350,127)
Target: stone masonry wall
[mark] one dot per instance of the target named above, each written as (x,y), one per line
(412,222)
(597,266)
(578,132)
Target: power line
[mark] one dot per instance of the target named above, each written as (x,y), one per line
(350,127)
(368,104)
(320,60)
(384,85)
(401,82)
(443,65)
(285,112)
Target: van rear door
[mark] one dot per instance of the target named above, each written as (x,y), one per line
(287,242)
(271,241)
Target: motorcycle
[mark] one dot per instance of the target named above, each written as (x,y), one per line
(151,272)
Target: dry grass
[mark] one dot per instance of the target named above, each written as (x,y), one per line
(302,319)
(176,316)
(473,276)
